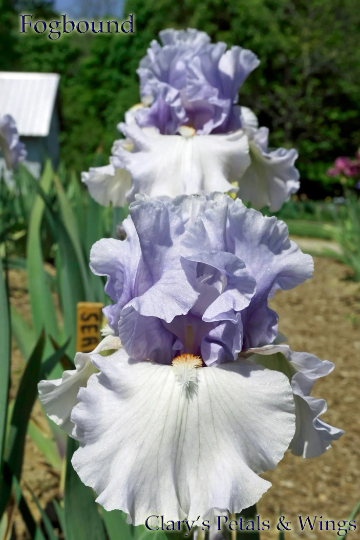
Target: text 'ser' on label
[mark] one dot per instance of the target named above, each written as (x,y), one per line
(88,324)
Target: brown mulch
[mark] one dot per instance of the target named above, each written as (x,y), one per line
(322,317)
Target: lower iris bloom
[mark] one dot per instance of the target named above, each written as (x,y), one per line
(200,396)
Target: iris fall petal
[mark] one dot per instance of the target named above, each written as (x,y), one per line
(59,396)
(313,436)
(271,177)
(148,445)
(173,165)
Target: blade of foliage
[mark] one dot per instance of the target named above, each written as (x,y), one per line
(82,518)
(24,180)
(20,263)
(51,367)
(355,512)
(23,334)
(42,304)
(249,514)
(94,228)
(116,526)
(142,533)
(27,393)
(119,214)
(5,527)
(13,228)
(312,229)
(94,231)
(65,360)
(77,195)
(5,358)
(353,515)
(348,237)
(31,525)
(46,521)
(46,446)
(73,232)
(70,285)
(69,277)
(24,401)
(60,514)
(49,364)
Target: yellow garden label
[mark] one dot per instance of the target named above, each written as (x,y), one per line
(88,323)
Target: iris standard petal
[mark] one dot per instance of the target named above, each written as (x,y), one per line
(145,337)
(262,243)
(193,81)
(161,272)
(118,261)
(223,343)
(152,444)
(313,436)
(235,66)
(164,290)
(239,286)
(59,396)
(166,112)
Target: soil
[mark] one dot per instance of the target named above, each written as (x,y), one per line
(322,317)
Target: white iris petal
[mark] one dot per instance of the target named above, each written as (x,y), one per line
(249,119)
(59,396)
(173,165)
(272,176)
(147,447)
(313,436)
(107,184)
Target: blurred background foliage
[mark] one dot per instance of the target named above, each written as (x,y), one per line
(306,89)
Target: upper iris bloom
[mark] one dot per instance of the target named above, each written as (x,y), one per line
(190,81)
(11,147)
(190,128)
(201,397)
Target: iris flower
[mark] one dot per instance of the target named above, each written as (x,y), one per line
(200,397)
(11,147)
(190,124)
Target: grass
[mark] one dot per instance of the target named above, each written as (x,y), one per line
(311,229)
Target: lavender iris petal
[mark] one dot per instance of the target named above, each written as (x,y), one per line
(171,297)
(192,81)
(12,148)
